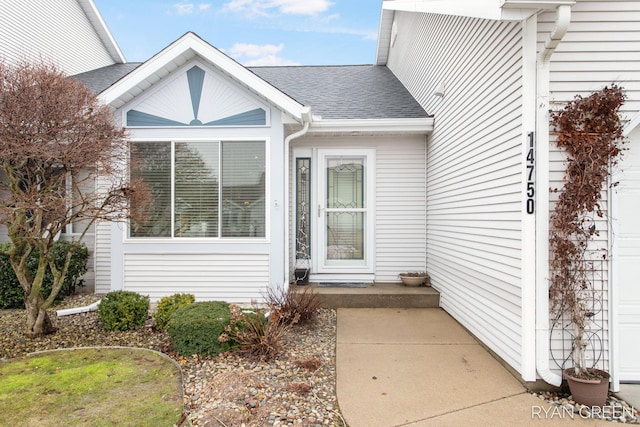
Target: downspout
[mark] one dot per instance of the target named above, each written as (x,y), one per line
(307,118)
(563,18)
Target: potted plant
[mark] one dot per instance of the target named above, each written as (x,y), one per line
(415,278)
(301,271)
(589,130)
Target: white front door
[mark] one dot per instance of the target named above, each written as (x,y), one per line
(627,262)
(345,213)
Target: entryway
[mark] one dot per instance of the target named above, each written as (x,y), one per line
(335,213)
(345,181)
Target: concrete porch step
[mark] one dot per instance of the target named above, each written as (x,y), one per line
(376,295)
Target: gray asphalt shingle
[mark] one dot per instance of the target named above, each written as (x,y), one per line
(345,92)
(101,79)
(333,92)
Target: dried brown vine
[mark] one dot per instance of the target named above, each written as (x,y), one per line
(589,130)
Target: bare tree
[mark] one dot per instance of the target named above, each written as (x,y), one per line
(64,166)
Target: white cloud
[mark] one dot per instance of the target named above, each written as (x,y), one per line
(254,8)
(252,55)
(254,50)
(268,60)
(302,7)
(185,7)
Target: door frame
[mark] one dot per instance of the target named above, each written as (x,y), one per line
(617,371)
(318,209)
(317,273)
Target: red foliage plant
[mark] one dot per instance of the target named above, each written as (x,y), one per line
(589,130)
(62,164)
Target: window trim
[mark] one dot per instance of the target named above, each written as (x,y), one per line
(230,240)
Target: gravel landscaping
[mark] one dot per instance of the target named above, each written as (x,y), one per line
(296,388)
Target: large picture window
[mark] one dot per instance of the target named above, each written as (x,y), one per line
(202,189)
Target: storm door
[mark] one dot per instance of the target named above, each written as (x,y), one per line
(345,211)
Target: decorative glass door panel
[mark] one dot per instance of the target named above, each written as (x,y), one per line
(344,210)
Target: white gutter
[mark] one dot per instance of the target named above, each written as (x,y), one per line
(418,126)
(307,118)
(563,18)
(77,310)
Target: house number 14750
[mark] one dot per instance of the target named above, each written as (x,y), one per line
(531,175)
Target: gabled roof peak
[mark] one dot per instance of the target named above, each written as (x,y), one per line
(184,49)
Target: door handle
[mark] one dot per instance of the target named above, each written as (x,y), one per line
(320,209)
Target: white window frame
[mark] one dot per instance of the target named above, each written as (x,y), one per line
(172,239)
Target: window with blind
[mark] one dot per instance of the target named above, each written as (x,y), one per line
(202,189)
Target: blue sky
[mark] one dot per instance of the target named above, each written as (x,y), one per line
(254,32)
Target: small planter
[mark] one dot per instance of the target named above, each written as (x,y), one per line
(589,392)
(301,276)
(415,279)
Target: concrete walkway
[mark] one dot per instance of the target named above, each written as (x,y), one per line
(419,367)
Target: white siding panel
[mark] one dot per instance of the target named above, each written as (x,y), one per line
(102,258)
(236,278)
(474,166)
(57,31)
(400,209)
(601,46)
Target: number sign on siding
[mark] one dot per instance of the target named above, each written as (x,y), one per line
(531,183)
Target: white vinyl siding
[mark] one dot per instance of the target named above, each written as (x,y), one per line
(400,200)
(400,208)
(474,180)
(102,262)
(602,46)
(235,278)
(56,31)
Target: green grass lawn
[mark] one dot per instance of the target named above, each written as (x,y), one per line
(91,387)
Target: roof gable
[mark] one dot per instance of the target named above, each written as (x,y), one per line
(196,95)
(185,49)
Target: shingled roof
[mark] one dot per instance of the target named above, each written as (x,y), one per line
(345,92)
(100,79)
(332,92)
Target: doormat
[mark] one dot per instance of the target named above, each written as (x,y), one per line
(342,285)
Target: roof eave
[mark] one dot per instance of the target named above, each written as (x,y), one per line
(178,53)
(384,36)
(503,10)
(90,9)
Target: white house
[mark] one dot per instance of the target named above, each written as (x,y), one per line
(237,156)
(489,71)
(416,163)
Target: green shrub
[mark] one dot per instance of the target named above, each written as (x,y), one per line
(168,305)
(197,328)
(123,310)
(11,293)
